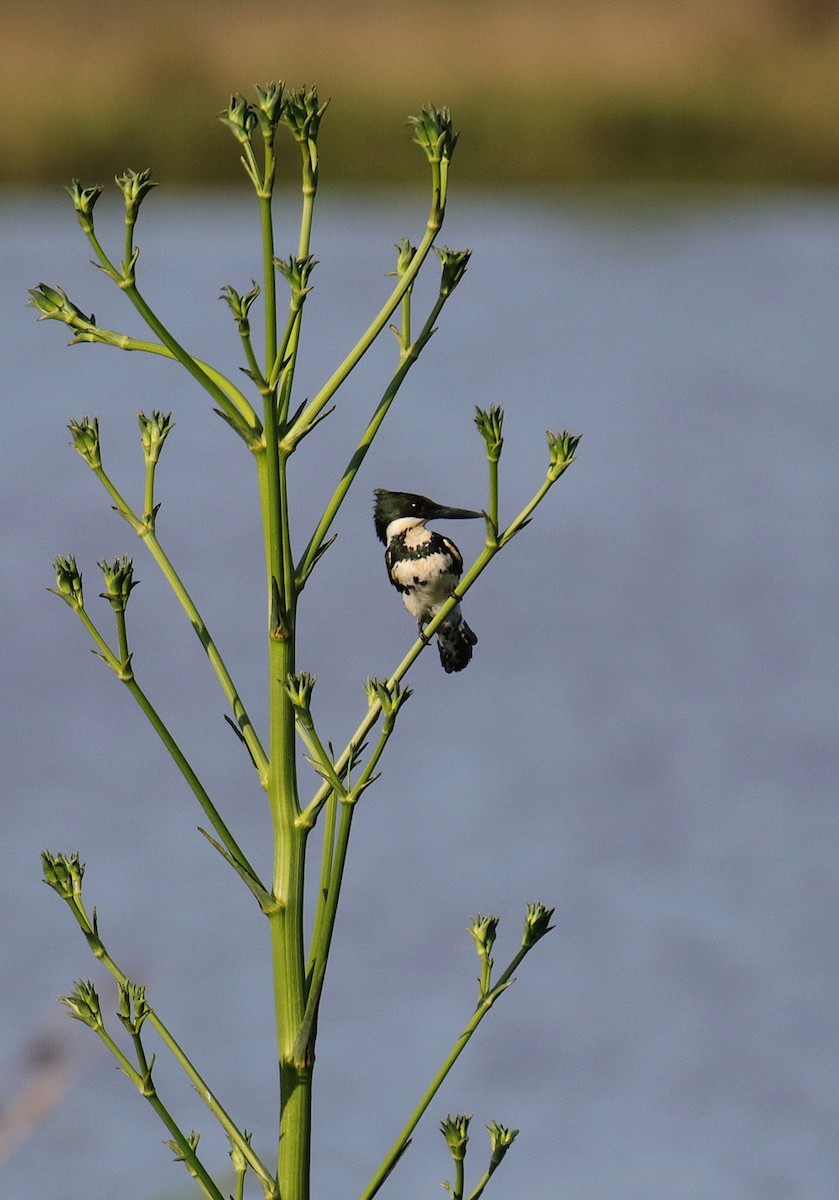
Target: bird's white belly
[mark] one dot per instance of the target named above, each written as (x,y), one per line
(428,581)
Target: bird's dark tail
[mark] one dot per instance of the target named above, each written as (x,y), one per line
(455,641)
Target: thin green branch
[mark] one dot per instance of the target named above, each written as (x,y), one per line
(148,535)
(91,931)
(408,356)
(312,410)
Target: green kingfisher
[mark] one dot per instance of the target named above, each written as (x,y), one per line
(424,567)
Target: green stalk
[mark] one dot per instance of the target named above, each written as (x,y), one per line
(122,669)
(172,1045)
(399,1146)
(408,356)
(319,402)
(149,536)
(222,397)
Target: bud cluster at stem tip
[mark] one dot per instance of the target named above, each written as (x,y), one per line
(561,447)
(154,430)
(456,1132)
(119,581)
(63,873)
(433,130)
(135,186)
(537,923)
(454,264)
(500,1139)
(68,581)
(85,434)
(490,423)
(83,1004)
(84,199)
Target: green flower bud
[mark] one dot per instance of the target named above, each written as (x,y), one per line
(84,200)
(83,1004)
(433,130)
(404,255)
(132,1007)
(483,931)
(302,113)
(63,873)
(68,581)
(240,305)
(456,1132)
(390,699)
(85,434)
(270,109)
(489,424)
(501,1140)
(240,118)
(154,430)
(53,304)
(454,267)
(119,581)
(537,923)
(561,447)
(135,186)
(299,689)
(296,272)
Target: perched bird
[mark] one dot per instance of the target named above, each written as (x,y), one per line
(424,567)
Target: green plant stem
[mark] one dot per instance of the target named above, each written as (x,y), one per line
(122,341)
(483,1007)
(223,396)
(210,1100)
(148,535)
(405,282)
(407,357)
(124,673)
(146,1088)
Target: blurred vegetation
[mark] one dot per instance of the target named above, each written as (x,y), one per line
(543,91)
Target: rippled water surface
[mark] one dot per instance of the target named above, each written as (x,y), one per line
(646,738)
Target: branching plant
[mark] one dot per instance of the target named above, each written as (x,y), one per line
(271,426)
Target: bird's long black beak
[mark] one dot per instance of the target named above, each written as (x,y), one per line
(441,513)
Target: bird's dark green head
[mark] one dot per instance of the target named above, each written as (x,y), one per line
(391,506)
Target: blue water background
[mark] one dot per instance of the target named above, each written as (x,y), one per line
(647,737)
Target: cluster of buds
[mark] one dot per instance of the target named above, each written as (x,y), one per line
(84,199)
(561,447)
(270,109)
(83,1004)
(54,305)
(302,114)
(433,130)
(154,430)
(454,267)
(299,690)
(241,119)
(490,423)
(296,272)
(119,581)
(537,922)
(389,698)
(68,582)
(63,873)
(456,1132)
(135,186)
(405,252)
(240,305)
(500,1140)
(85,434)
(132,1007)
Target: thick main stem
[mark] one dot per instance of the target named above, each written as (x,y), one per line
(286,916)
